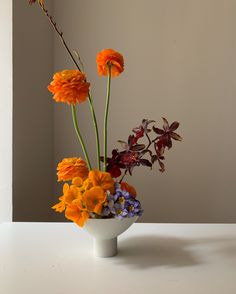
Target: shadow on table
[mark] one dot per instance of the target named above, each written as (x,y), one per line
(152,251)
(155,251)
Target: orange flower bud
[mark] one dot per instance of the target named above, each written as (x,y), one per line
(110,57)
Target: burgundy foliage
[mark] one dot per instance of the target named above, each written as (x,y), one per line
(135,154)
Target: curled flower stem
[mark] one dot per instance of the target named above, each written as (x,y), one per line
(75,122)
(106,115)
(60,34)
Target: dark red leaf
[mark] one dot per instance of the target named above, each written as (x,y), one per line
(137,147)
(132,140)
(166,124)
(168,142)
(114,152)
(114,171)
(158,131)
(175,136)
(164,141)
(145,162)
(161,150)
(124,145)
(174,126)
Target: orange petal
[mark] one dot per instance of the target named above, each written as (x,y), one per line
(93,197)
(59,207)
(78,216)
(102,179)
(77,181)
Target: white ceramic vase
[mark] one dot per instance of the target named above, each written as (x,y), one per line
(105,232)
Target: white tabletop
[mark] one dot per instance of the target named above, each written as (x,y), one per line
(56,258)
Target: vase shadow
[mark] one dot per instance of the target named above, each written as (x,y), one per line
(147,251)
(156,251)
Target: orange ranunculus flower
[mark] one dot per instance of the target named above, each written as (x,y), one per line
(76,213)
(94,199)
(70,168)
(69,86)
(130,189)
(109,57)
(102,179)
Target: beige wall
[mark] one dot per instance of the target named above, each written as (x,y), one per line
(33,132)
(180,63)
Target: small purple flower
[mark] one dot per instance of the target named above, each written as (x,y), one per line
(121,204)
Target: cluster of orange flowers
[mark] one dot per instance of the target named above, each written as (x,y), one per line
(87,192)
(71,86)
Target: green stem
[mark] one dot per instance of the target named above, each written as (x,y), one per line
(75,122)
(106,115)
(96,130)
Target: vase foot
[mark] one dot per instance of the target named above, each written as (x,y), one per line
(105,247)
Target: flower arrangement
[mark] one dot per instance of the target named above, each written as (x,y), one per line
(101,192)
